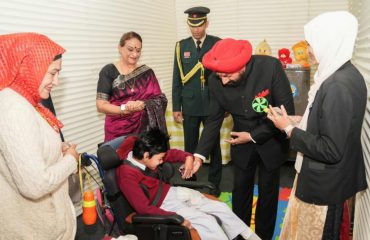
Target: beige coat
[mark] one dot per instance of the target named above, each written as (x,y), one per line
(34,200)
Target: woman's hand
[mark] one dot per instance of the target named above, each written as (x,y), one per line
(65,147)
(140,105)
(295,118)
(280,119)
(135,106)
(70,148)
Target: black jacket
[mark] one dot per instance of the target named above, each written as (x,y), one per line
(333,165)
(262,73)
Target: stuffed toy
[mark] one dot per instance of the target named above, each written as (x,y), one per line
(263,48)
(300,51)
(284,56)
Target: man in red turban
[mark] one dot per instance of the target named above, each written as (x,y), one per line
(244,85)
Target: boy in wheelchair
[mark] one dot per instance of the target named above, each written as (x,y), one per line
(149,195)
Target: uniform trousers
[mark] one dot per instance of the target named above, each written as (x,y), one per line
(268,193)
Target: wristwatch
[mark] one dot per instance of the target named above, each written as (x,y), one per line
(123,107)
(288,128)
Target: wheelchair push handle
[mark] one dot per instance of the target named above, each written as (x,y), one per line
(85,159)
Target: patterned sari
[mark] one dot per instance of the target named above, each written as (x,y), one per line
(141,84)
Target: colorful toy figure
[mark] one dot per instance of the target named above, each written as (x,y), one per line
(300,51)
(284,56)
(263,48)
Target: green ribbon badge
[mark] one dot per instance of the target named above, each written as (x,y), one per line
(260,104)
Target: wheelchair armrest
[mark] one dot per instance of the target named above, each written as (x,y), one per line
(165,219)
(194,185)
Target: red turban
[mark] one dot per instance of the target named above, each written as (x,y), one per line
(228,56)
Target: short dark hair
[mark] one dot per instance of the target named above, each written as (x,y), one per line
(153,141)
(128,36)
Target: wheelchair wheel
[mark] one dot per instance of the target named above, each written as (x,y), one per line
(105,215)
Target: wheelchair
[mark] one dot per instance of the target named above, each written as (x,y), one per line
(119,218)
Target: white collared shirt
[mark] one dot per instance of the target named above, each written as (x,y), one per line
(133,161)
(201,40)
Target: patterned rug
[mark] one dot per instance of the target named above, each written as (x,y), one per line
(282,205)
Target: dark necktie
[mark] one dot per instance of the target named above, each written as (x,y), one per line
(198,45)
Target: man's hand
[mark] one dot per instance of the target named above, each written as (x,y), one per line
(197,164)
(239,138)
(187,168)
(177,116)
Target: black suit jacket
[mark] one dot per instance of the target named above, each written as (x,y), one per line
(333,166)
(263,73)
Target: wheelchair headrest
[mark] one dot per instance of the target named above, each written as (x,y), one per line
(108,157)
(166,171)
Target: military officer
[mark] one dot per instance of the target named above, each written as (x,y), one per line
(190,97)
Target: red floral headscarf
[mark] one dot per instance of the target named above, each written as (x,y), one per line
(24,60)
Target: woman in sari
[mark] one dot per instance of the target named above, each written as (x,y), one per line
(129,93)
(330,165)
(34,164)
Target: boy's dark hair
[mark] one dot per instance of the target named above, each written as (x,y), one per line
(153,141)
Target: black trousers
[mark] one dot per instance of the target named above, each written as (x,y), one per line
(191,126)
(268,193)
(333,222)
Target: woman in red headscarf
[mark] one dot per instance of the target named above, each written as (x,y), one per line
(33,166)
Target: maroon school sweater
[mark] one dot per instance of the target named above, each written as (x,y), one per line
(129,179)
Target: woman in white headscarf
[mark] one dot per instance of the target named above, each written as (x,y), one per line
(330,166)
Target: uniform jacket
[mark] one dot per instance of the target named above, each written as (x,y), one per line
(190,98)
(333,165)
(263,74)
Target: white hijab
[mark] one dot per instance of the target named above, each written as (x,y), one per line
(332,37)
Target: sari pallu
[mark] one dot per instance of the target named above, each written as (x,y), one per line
(155,110)
(141,84)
